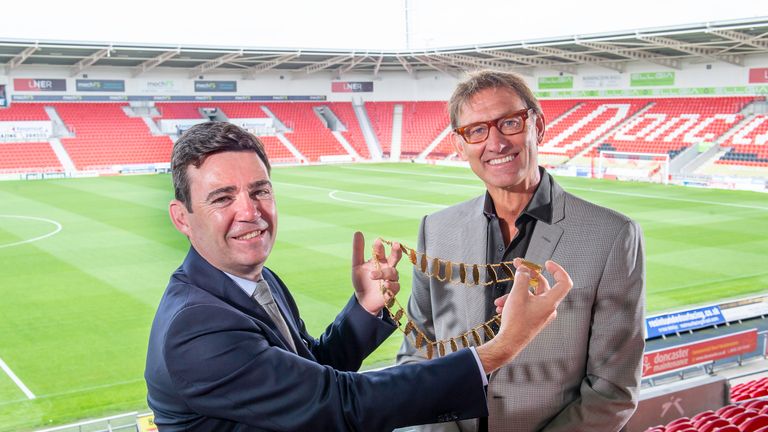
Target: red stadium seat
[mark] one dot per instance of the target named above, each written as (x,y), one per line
(743,417)
(711,426)
(755,423)
(106,136)
(729,428)
(707,413)
(678,421)
(703,417)
(757,404)
(730,411)
(701,422)
(679,425)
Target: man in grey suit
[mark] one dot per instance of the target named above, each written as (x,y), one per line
(582,372)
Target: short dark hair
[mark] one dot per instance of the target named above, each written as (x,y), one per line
(485,79)
(203,140)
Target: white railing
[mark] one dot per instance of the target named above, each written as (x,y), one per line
(120,422)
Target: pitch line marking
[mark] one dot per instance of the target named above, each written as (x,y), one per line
(16,380)
(569,188)
(406,203)
(391,171)
(671,198)
(332,194)
(75,391)
(53,222)
(631,195)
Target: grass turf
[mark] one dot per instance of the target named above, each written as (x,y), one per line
(77,305)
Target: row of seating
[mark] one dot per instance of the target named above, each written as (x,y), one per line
(104,134)
(747,412)
(750,390)
(24,112)
(750,416)
(308,133)
(20,157)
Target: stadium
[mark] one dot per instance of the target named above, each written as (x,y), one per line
(668,125)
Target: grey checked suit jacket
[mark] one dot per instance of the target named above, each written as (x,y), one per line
(582,372)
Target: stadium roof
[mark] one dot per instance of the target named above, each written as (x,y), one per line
(723,41)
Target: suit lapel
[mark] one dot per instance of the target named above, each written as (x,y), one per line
(474,233)
(545,236)
(202,274)
(213,280)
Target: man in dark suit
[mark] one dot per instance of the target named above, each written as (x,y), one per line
(228,350)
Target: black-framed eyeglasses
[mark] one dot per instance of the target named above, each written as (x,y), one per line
(510,124)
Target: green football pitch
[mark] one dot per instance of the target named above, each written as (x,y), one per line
(83,263)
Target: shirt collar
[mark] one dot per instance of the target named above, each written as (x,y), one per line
(246,285)
(540,205)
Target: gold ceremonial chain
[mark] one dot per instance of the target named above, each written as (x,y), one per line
(500,272)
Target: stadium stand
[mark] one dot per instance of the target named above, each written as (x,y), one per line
(749,145)
(346,115)
(20,112)
(555,108)
(276,151)
(444,150)
(381,116)
(191,110)
(106,136)
(422,124)
(307,132)
(747,412)
(26,157)
(749,390)
(586,123)
(180,111)
(673,124)
(575,127)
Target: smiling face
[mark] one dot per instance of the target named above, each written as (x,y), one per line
(502,162)
(233,218)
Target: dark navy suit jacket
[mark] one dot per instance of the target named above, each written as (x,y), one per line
(216,362)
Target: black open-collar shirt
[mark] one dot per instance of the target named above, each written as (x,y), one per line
(539,208)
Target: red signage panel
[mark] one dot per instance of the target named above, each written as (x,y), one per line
(758,75)
(39,84)
(352,86)
(695,353)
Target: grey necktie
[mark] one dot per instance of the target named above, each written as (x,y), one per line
(264,296)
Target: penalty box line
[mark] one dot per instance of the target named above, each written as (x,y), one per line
(16,380)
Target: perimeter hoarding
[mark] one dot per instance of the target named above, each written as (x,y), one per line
(691,319)
(696,353)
